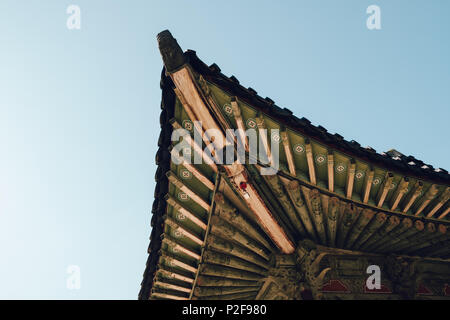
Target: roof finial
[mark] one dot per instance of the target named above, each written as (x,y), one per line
(171,52)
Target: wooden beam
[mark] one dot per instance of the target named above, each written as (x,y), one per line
(186,213)
(262,213)
(167,296)
(239,122)
(416,192)
(431,193)
(330,158)
(176,247)
(282,196)
(180,185)
(184,80)
(195,147)
(445,196)
(226,211)
(173,275)
(177,263)
(183,231)
(399,193)
(288,152)
(169,286)
(444,214)
(262,131)
(293,190)
(368,186)
(196,173)
(225,230)
(385,190)
(351,178)
(310,160)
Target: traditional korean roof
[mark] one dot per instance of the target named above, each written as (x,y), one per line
(211,239)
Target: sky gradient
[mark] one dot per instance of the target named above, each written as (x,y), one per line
(79,112)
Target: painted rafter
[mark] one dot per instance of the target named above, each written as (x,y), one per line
(368,186)
(310,161)
(429,195)
(351,178)
(442,200)
(384,190)
(399,193)
(330,161)
(288,152)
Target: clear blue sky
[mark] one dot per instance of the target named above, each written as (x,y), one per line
(79,112)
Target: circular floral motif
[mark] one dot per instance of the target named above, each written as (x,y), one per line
(183,196)
(187,124)
(177,234)
(251,123)
(228,109)
(320,159)
(340,168)
(174,249)
(299,148)
(392,186)
(180,216)
(359,175)
(275,137)
(376,181)
(185,174)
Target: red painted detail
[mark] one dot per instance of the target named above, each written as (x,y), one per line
(424,290)
(335,286)
(243,185)
(383,289)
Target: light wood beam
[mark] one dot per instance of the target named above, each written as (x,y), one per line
(442,200)
(310,160)
(196,173)
(386,187)
(239,122)
(173,275)
(262,131)
(330,158)
(196,148)
(288,152)
(351,178)
(444,214)
(180,185)
(431,193)
(399,193)
(178,207)
(179,248)
(169,286)
(168,296)
(368,186)
(183,231)
(262,213)
(417,190)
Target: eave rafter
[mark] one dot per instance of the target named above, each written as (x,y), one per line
(414,195)
(183,78)
(351,178)
(330,161)
(399,193)
(368,186)
(310,160)
(429,195)
(382,193)
(288,152)
(442,200)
